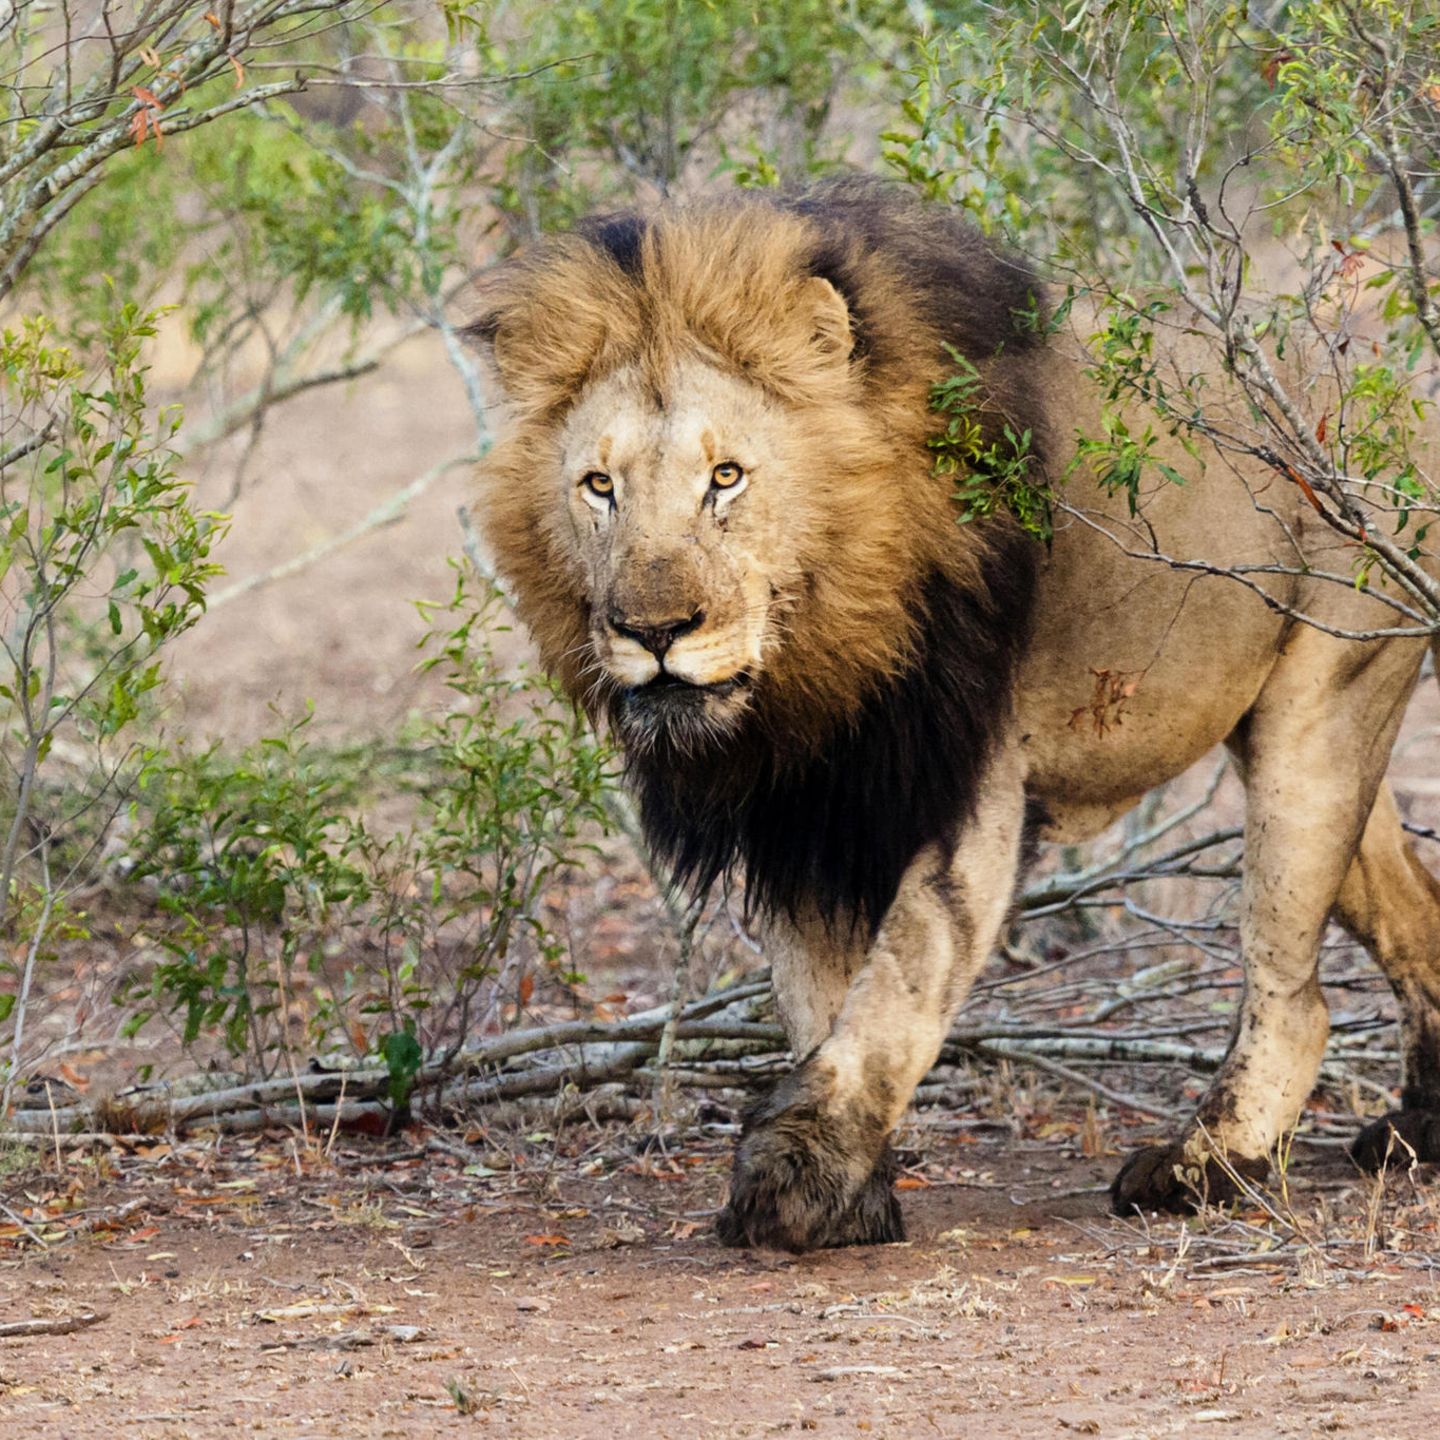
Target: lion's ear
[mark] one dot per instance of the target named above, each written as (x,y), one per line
(538,353)
(484,333)
(805,347)
(829,315)
(547,320)
(527,361)
(480,332)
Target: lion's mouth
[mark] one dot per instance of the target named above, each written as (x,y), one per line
(687,715)
(666,686)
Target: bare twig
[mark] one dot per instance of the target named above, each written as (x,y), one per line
(386,513)
(55,1325)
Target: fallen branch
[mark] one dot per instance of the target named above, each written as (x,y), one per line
(1051,896)
(59,1325)
(579,1068)
(605,1049)
(1076,1077)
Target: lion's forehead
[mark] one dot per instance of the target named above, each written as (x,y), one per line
(607,427)
(693,418)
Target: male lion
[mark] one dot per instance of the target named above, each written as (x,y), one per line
(714,503)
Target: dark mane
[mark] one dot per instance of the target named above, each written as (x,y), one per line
(832,832)
(980,299)
(620,235)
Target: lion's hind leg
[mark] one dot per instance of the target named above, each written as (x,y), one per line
(1391,903)
(1313,753)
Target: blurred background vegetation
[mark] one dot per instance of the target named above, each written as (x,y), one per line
(219,226)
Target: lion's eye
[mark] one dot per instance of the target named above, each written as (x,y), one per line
(726,475)
(597,482)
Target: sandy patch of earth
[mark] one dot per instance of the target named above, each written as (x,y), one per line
(399,1290)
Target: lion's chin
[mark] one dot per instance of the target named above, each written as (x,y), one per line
(682,717)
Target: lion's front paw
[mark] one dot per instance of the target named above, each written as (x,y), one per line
(1162,1177)
(874,1218)
(806,1179)
(1397,1140)
(790,1203)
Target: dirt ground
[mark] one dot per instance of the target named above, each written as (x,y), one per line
(338,634)
(575,1290)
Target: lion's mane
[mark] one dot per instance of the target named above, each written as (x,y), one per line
(871,725)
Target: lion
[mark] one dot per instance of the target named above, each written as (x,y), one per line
(712,500)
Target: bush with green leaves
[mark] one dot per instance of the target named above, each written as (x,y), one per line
(635,97)
(165,159)
(295,925)
(1260,180)
(993,466)
(104,559)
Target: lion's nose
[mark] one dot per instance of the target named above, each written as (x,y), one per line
(657,638)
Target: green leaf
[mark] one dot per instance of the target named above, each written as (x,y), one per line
(403,1057)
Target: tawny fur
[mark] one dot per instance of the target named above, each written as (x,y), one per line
(829,607)
(731,283)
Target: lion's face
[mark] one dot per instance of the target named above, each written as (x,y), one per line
(685,518)
(712,504)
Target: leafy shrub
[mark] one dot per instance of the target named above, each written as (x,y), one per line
(280,894)
(103,560)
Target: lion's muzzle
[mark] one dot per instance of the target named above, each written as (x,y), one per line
(686,716)
(644,647)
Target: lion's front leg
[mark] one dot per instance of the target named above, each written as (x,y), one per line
(813,1167)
